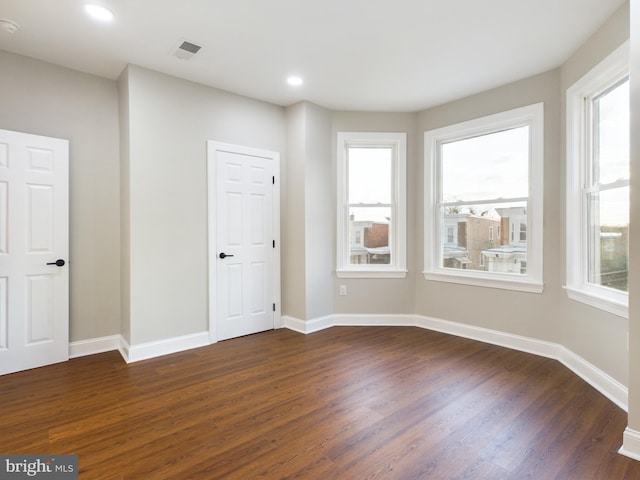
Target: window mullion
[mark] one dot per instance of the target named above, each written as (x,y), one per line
(489,201)
(603,187)
(370,205)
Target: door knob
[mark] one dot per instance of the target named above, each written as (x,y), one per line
(57,263)
(224,255)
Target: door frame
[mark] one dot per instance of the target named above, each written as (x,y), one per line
(212,189)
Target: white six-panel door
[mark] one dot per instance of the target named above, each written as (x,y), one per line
(34,226)
(243,223)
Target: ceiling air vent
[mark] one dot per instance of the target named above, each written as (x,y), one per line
(186,50)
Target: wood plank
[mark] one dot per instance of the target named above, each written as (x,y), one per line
(348,402)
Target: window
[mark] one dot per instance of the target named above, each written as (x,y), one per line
(371,217)
(482,176)
(450,235)
(598,185)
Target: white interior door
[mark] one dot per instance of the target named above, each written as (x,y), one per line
(243,249)
(34,231)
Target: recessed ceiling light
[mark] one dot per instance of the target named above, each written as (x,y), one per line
(98,12)
(295,81)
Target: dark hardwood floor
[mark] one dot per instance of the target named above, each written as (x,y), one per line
(344,403)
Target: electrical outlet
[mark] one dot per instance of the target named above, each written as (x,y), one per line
(343,290)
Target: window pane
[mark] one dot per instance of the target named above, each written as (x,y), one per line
(469,242)
(486,167)
(612,135)
(609,238)
(370,174)
(369,235)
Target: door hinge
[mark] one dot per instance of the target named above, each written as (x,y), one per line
(274,244)
(274,307)
(273,180)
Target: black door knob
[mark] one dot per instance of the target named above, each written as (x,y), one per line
(224,255)
(58,263)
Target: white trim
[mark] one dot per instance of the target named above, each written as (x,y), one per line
(309,326)
(593,299)
(384,320)
(380,273)
(213,146)
(613,67)
(397,234)
(348,320)
(604,383)
(144,351)
(91,346)
(479,280)
(630,444)
(531,115)
(124,349)
(601,381)
(494,337)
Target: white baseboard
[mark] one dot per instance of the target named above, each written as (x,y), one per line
(494,337)
(144,351)
(92,346)
(630,444)
(123,348)
(384,320)
(309,326)
(605,384)
(346,320)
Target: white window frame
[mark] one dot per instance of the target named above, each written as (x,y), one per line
(532,281)
(611,69)
(398,224)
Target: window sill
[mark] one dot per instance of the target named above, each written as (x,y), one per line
(621,309)
(503,283)
(371,273)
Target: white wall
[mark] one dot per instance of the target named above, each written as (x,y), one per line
(319,212)
(381,296)
(307,253)
(170,121)
(294,297)
(527,314)
(125,231)
(44,99)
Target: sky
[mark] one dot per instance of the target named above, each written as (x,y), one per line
(486,167)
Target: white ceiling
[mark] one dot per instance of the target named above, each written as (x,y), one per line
(384,55)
